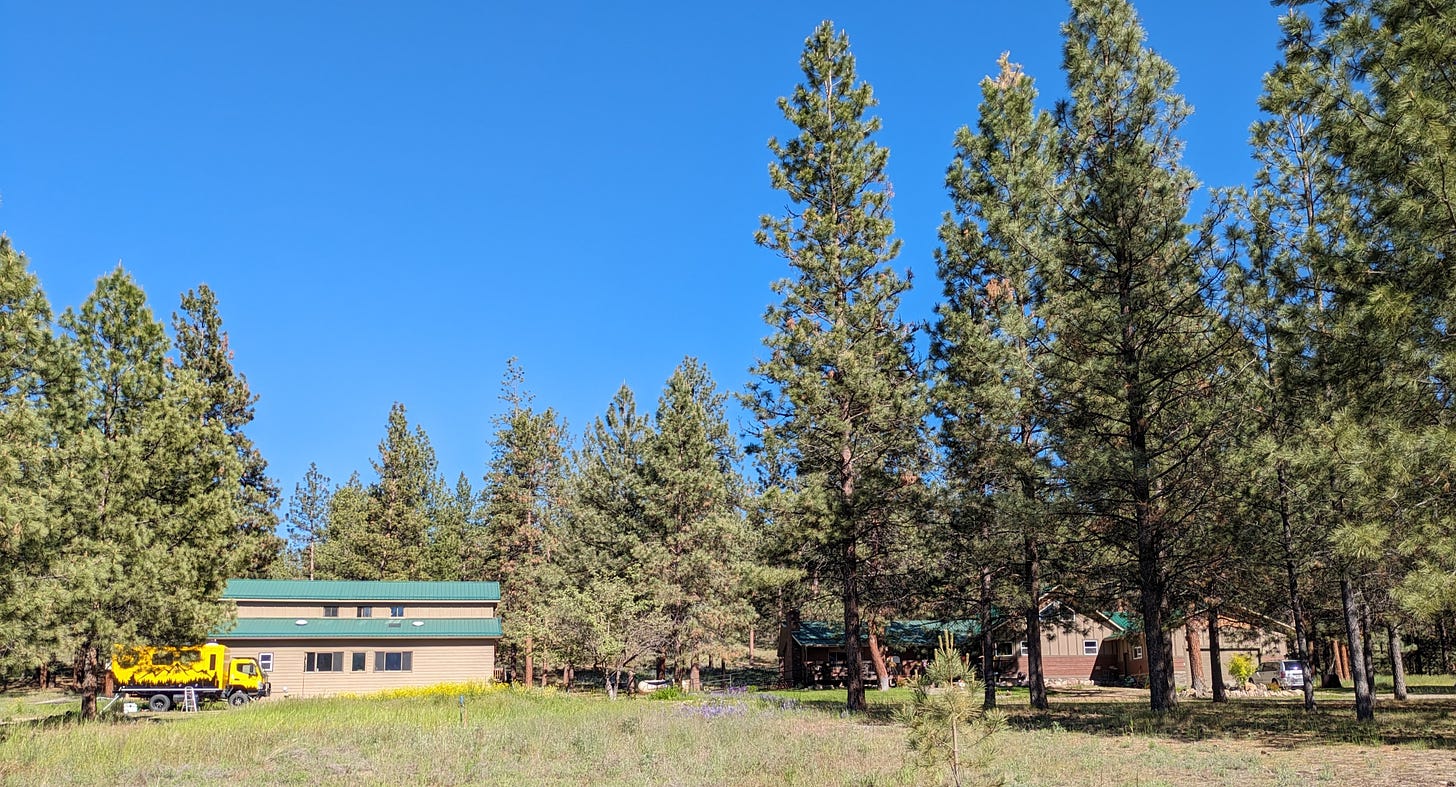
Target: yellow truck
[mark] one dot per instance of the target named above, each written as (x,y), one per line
(165,675)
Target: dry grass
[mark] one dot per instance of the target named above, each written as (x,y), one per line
(511,737)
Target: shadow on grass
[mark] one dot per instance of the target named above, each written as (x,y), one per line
(1268,723)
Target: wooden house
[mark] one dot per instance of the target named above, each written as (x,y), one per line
(317,638)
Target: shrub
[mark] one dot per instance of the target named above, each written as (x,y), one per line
(1241,668)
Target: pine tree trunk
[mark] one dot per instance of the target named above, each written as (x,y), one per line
(530,663)
(90,679)
(793,665)
(1368,629)
(1397,662)
(1035,678)
(1195,656)
(1215,656)
(877,656)
(695,675)
(1364,698)
(751,632)
(988,648)
(1161,692)
(855,697)
(1445,654)
(1296,606)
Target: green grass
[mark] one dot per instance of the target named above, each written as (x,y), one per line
(791,737)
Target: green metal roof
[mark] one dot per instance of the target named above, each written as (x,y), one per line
(1122,620)
(358,590)
(898,634)
(363,628)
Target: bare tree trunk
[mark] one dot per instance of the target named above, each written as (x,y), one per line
(1215,656)
(1035,677)
(751,632)
(1296,606)
(1162,694)
(1445,654)
(1195,655)
(1368,629)
(877,656)
(90,679)
(530,662)
(695,674)
(794,664)
(1397,661)
(1364,698)
(988,648)
(855,696)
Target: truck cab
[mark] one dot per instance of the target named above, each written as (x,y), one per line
(246,676)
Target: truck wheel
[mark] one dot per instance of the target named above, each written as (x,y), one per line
(160,703)
(239,699)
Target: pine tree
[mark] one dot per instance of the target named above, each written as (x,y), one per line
(992,340)
(308,518)
(1349,240)
(840,400)
(1138,358)
(458,542)
(145,493)
(202,347)
(523,496)
(32,384)
(384,532)
(692,499)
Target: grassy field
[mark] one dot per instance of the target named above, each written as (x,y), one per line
(1091,736)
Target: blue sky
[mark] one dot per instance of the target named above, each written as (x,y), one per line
(391,199)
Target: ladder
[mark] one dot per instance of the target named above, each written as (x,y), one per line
(189,699)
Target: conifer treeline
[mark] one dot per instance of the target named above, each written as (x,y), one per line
(1151,410)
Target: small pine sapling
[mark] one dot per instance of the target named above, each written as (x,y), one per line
(947,725)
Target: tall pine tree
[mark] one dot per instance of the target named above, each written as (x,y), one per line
(1137,369)
(202,347)
(840,401)
(992,341)
(523,497)
(145,496)
(33,383)
(692,498)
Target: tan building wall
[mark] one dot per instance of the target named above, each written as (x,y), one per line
(433,661)
(350,609)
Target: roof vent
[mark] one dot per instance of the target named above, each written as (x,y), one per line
(394,624)
(417,623)
(300,622)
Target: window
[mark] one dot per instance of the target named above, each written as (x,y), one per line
(364,612)
(358,665)
(396,611)
(393,661)
(265,660)
(1023,647)
(1089,647)
(246,668)
(331,612)
(1137,651)
(323,662)
(1003,648)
